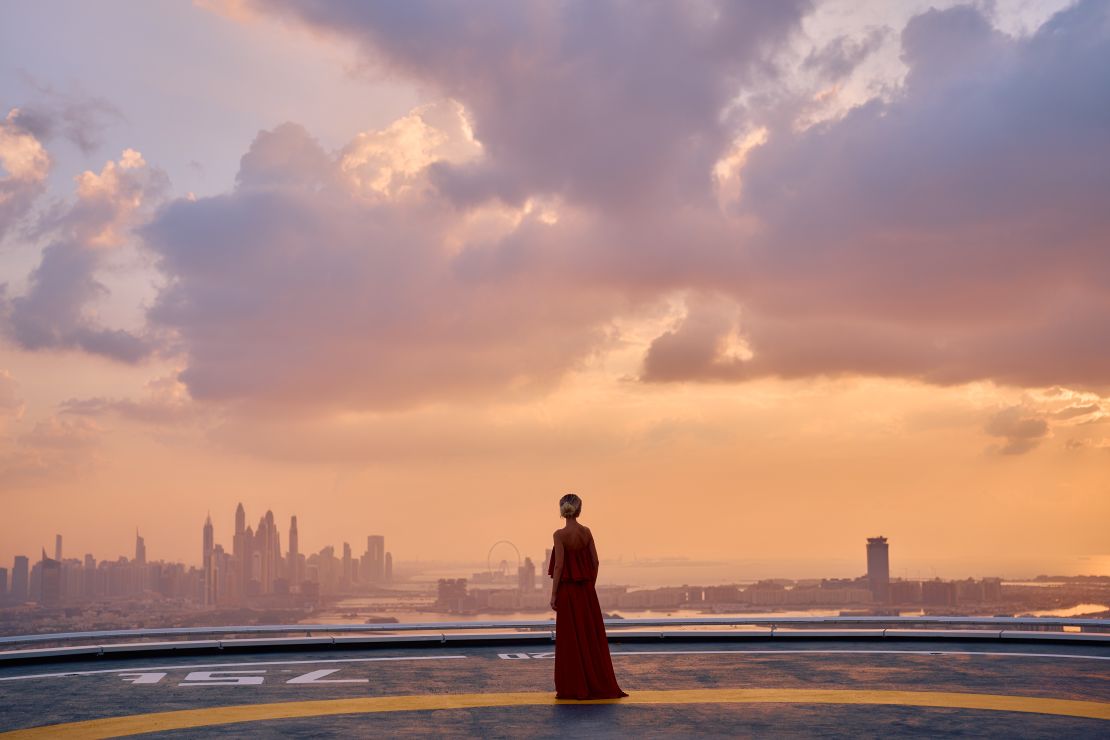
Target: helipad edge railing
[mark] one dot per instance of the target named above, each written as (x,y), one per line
(1093,625)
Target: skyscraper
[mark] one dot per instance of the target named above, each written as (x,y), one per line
(878,569)
(3,582)
(375,558)
(526,577)
(140,549)
(296,572)
(51,582)
(21,579)
(241,545)
(345,579)
(209,564)
(57,548)
(388,568)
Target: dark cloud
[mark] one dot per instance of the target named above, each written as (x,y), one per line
(72,115)
(839,58)
(605,103)
(54,311)
(955,232)
(1020,429)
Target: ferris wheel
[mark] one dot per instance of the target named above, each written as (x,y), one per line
(498,555)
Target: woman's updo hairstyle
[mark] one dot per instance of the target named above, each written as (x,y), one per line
(570,506)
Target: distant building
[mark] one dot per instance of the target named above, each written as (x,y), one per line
(905,592)
(50,580)
(526,577)
(140,549)
(373,561)
(992,590)
(295,561)
(388,577)
(939,593)
(345,581)
(451,594)
(21,579)
(208,564)
(3,583)
(878,569)
(57,548)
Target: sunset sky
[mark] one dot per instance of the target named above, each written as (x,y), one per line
(757,280)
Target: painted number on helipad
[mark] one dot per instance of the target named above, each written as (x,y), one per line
(524,656)
(322,676)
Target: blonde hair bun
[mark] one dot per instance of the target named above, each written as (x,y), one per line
(570,506)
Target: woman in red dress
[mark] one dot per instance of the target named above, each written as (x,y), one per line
(583,667)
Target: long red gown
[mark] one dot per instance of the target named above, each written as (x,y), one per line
(583,666)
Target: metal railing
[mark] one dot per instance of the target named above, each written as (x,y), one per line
(1056,624)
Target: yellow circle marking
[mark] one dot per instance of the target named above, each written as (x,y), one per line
(209,716)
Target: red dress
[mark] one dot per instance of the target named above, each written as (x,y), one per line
(583,667)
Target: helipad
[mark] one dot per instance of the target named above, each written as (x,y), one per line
(831,686)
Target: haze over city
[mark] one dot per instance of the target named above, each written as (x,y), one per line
(757,281)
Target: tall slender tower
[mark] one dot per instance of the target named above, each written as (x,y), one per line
(209,563)
(878,569)
(294,559)
(58,547)
(140,549)
(241,553)
(345,580)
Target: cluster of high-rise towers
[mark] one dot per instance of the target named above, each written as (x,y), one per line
(256,568)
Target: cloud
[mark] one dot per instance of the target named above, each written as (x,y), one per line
(55,312)
(1021,430)
(955,232)
(603,103)
(304,288)
(698,348)
(839,57)
(11,405)
(78,118)
(54,446)
(166,402)
(24,166)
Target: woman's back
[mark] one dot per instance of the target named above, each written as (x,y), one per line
(583,667)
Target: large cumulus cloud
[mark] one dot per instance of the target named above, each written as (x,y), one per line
(955,232)
(308,285)
(606,103)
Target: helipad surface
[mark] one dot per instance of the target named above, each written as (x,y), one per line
(836,689)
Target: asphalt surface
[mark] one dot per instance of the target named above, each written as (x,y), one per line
(683,687)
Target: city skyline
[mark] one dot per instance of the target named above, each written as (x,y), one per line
(254,572)
(255,575)
(756,280)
